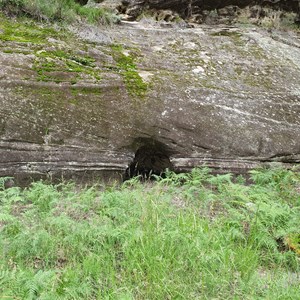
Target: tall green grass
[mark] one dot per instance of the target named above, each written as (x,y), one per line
(188,236)
(67,11)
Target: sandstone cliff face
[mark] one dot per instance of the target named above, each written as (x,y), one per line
(82,105)
(199,9)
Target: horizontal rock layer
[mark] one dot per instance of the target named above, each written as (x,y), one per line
(81,106)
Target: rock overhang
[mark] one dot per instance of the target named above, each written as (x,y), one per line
(224,97)
(203,11)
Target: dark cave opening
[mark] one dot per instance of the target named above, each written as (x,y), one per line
(151,158)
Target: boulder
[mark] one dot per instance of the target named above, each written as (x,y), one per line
(101,101)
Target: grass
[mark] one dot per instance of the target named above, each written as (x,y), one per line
(67,11)
(268,18)
(188,236)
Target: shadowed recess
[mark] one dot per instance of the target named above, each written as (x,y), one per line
(151,158)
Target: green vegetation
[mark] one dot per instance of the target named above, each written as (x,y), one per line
(24,32)
(59,61)
(52,65)
(127,68)
(267,17)
(57,10)
(188,236)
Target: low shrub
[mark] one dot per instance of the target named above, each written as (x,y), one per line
(57,10)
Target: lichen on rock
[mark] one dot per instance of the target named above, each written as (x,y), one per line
(227,97)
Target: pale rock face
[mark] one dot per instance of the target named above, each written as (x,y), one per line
(83,106)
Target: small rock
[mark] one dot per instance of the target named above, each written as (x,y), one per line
(198,70)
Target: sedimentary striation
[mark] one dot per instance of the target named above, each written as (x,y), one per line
(82,104)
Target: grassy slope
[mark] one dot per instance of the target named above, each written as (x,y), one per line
(66,11)
(194,236)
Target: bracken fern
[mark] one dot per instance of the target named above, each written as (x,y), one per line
(185,236)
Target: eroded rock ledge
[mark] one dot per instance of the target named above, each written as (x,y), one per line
(82,106)
(209,11)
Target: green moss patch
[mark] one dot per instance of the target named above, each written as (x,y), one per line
(18,51)
(59,66)
(60,54)
(52,63)
(127,68)
(24,32)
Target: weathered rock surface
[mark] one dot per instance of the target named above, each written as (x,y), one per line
(224,97)
(211,11)
(210,4)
